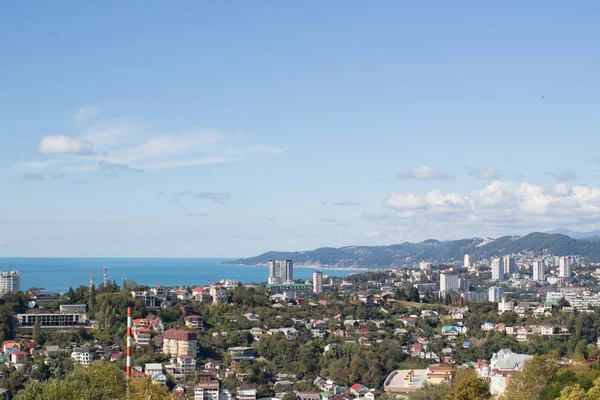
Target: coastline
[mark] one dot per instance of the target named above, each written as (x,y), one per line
(304,266)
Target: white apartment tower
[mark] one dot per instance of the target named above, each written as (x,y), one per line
(495,294)
(10,282)
(281,271)
(539,271)
(564,267)
(424,265)
(510,266)
(497,269)
(467,263)
(448,282)
(317,282)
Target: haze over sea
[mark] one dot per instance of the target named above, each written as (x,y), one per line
(57,274)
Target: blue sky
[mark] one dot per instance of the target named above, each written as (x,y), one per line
(195,130)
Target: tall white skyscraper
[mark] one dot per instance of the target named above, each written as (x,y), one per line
(467,262)
(448,282)
(495,294)
(317,282)
(510,266)
(539,271)
(10,282)
(497,269)
(564,267)
(281,271)
(424,265)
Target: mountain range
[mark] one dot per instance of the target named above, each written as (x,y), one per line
(592,235)
(408,254)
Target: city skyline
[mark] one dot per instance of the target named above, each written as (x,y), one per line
(215,137)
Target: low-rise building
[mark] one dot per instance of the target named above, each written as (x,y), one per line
(83,355)
(246,392)
(194,321)
(207,388)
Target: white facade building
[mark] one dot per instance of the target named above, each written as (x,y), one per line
(317,282)
(424,265)
(467,262)
(510,266)
(10,282)
(564,267)
(281,271)
(539,271)
(495,294)
(497,269)
(448,282)
(505,306)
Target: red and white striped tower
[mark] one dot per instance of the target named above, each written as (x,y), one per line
(129,340)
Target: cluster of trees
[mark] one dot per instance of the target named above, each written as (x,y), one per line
(99,381)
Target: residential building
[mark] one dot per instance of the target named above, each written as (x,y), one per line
(495,294)
(474,296)
(179,341)
(510,266)
(448,282)
(467,263)
(83,355)
(281,271)
(406,381)
(291,290)
(463,284)
(147,296)
(564,267)
(10,346)
(194,321)
(142,336)
(10,282)
(218,293)
(318,282)
(181,366)
(539,271)
(201,294)
(207,387)
(246,392)
(497,269)
(68,316)
(424,265)
(506,362)
(505,306)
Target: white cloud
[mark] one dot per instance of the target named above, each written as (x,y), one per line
(60,144)
(37,165)
(486,174)
(521,204)
(86,114)
(372,233)
(563,175)
(425,173)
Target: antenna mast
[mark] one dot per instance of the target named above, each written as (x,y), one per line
(91,280)
(105,277)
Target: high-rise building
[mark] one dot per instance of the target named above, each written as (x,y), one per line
(539,271)
(463,284)
(318,282)
(178,341)
(467,262)
(448,282)
(10,282)
(281,271)
(424,265)
(564,267)
(497,269)
(495,294)
(510,266)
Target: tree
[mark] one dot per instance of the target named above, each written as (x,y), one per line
(92,299)
(145,389)
(37,331)
(430,392)
(467,385)
(531,381)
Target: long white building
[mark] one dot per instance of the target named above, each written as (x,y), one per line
(539,271)
(10,282)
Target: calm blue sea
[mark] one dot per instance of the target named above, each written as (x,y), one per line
(57,274)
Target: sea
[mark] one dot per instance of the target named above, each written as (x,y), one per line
(58,274)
